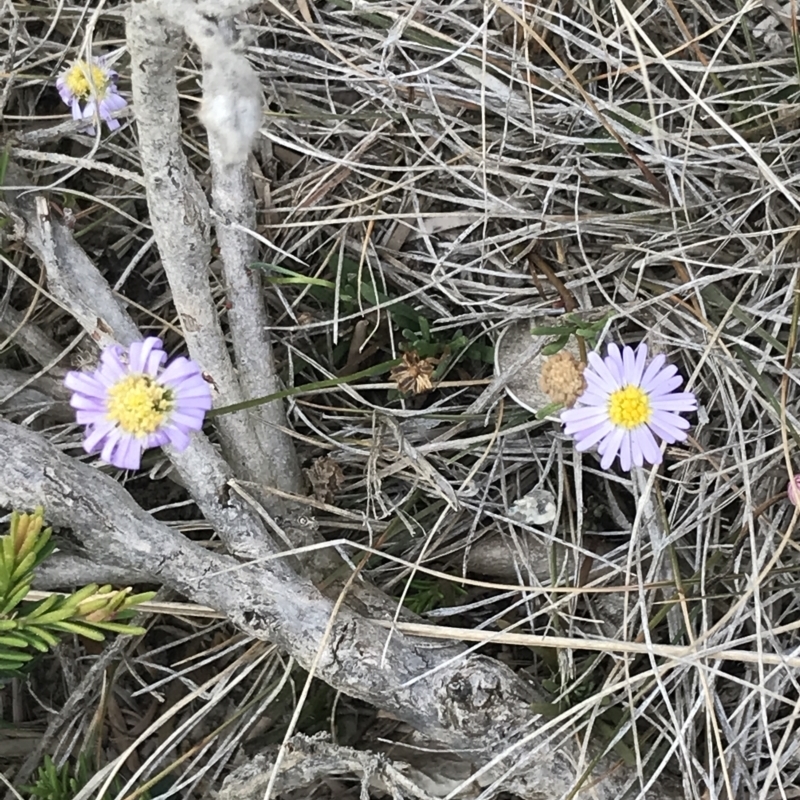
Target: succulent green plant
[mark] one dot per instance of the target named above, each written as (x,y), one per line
(65,781)
(27,627)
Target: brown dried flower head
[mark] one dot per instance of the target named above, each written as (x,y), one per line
(414,374)
(326,477)
(562,378)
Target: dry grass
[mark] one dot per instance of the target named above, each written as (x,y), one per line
(419,153)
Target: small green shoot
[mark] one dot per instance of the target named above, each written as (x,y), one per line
(28,628)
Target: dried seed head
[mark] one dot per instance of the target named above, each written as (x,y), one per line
(562,378)
(414,374)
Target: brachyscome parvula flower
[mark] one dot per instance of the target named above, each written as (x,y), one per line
(132,402)
(625,406)
(94,85)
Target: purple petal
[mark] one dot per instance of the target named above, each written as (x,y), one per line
(657,381)
(668,429)
(123,451)
(178,438)
(583,414)
(640,358)
(646,442)
(637,457)
(112,358)
(85,383)
(679,401)
(91,416)
(625,454)
(609,447)
(653,368)
(670,418)
(146,356)
(97,436)
(591,398)
(628,366)
(180,369)
(112,102)
(591,436)
(597,385)
(64,92)
(666,387)
(157,439)
(614,363)
(607,381)
(191,421)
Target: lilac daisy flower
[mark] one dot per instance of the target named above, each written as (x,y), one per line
(625,406)
(94,85)
(132,402)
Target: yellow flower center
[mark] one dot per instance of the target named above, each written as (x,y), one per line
(139,405)
(86,80)
(629,407)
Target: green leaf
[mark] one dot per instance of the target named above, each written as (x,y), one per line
(10,661)
(119,627)
(36,544)
(17,596)
(7,552)
(548,410)
(78,629)
(554,347)
(24,566)
(42,606)
(39,638)
(425,328)
(10,640)
(51,617)
(136,599)
(553,330)
(76,598)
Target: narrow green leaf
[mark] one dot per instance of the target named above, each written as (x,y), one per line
(116,627)
(425,328)
(76,598)
(15,598)
(9,559)
(79,630)
(50,618)
(11,640)
(556,346)
(24,566)
(136,599)
(548,410)
(43,605)
(33,640)
(10,660)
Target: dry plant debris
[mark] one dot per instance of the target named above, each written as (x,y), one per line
(562,378)
(413,375)
(411,157)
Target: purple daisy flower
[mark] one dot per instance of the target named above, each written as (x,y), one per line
(132,402)
(94,85)
(625,407)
